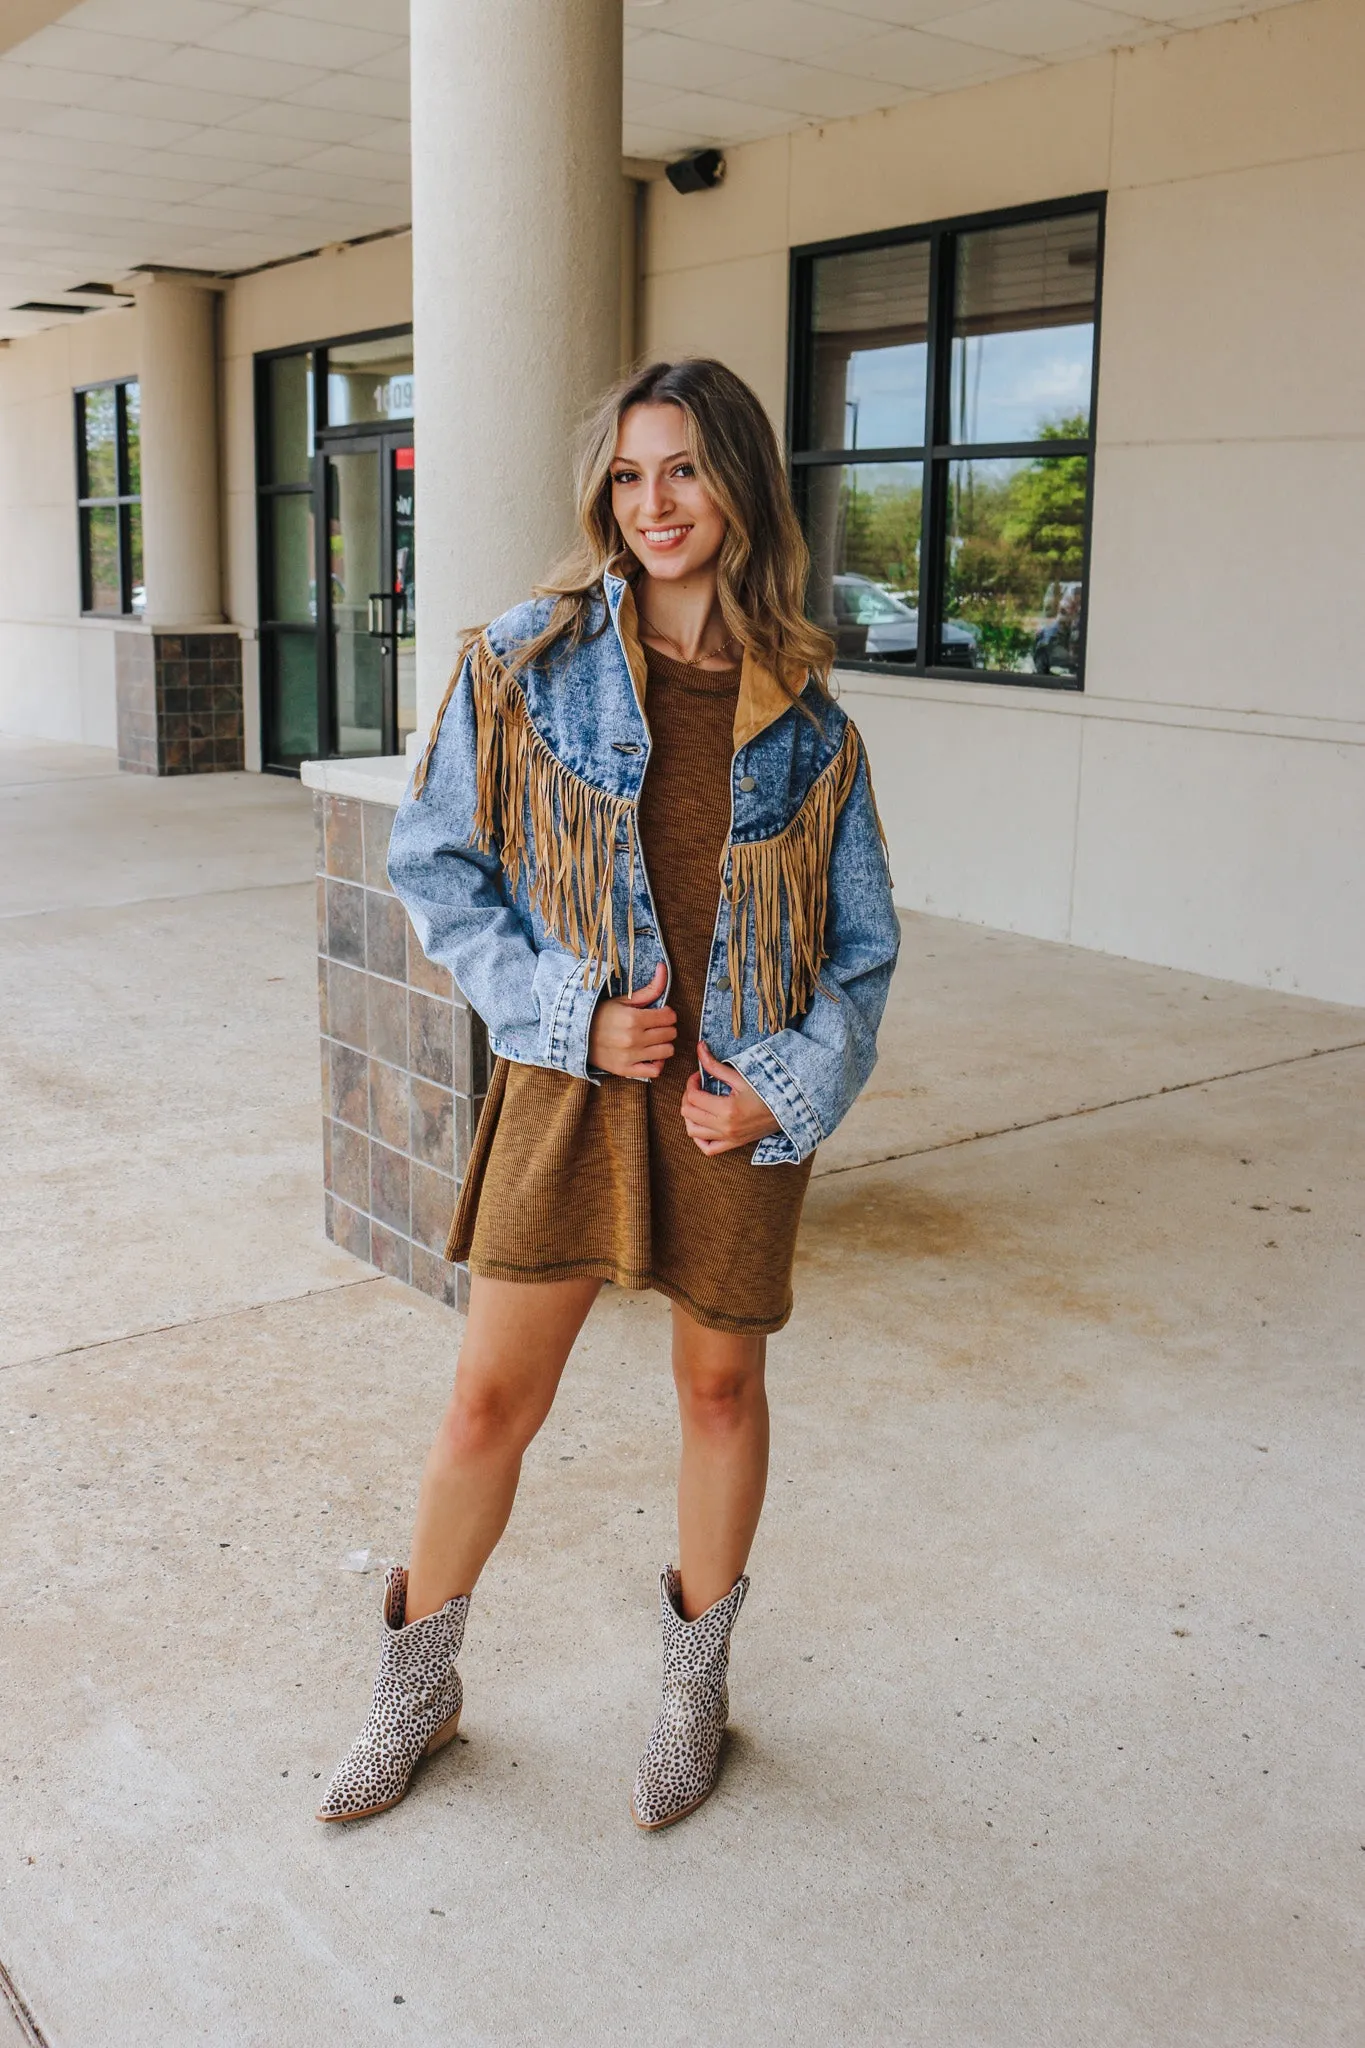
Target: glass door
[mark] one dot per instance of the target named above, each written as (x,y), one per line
(368,538)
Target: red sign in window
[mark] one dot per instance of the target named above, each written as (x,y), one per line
(402,458)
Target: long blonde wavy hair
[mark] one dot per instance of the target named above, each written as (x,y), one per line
(763,564)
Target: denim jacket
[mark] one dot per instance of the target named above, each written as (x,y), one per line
(517,855)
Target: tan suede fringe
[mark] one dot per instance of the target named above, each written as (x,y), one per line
(575,829)
(538,815)
(795,864)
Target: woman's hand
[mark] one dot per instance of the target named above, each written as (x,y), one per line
(720,1123)
(628,1037)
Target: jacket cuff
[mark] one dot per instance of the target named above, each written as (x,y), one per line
(570,1023)
(769,1077)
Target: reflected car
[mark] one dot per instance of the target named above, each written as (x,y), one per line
(872,625)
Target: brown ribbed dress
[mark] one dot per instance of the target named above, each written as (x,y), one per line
(570,1177)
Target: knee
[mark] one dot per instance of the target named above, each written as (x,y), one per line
(719,1401)
(482,1421)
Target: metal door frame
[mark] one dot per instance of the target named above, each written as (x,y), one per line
(383,441)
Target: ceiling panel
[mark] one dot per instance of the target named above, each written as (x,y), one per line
(218,134)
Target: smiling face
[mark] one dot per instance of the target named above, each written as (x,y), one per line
(667,517)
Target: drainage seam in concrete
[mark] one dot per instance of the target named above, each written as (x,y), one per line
(18,2005)
(219,1315)
(1063,1116)
(135,902)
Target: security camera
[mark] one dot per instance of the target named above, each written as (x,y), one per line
(697,173)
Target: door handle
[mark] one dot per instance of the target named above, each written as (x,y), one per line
(376,621)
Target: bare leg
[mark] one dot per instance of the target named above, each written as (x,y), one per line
(723,1409)
(516,1343)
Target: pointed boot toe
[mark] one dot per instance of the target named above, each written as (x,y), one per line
(415,1709)
(682,1757)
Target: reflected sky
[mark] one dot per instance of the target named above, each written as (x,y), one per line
(1007,387)
(884,397)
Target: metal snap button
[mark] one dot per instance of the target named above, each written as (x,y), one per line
(747,782)
(722,981)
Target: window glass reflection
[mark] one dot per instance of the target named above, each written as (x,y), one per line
(291,418)
(137,597)
(870,319)
(370,380)
(1014,552)
(294,710)
(863,525)
(405,589)
(1023,330)
(293,560)
(132,415)
(102,558)
(100,408)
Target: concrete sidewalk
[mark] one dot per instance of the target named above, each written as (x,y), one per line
(1048,1696)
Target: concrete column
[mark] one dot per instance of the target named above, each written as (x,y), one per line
(516,211)
(178,375)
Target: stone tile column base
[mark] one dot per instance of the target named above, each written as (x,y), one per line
(404,1062)
(179,702)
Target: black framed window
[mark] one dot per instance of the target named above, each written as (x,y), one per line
(942,434)
(109,497)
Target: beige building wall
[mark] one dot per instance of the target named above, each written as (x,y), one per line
(1202,804)
(56,669)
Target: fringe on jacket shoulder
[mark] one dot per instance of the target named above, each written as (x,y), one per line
(542,819)
(793,864)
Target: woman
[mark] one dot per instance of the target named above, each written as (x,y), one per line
(643,839)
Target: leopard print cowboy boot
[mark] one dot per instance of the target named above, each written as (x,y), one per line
(678,1768)
(417,1701)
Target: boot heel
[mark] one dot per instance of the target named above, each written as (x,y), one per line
(444,1734)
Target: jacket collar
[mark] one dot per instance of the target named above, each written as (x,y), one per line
(762,699)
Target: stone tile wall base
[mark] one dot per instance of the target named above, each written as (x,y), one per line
(404,1063)
(179,703)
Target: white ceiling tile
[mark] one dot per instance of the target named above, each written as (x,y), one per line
(306,184)
(171,102)
(38,148)
(188,165)
(897,13)
(819,95)
(349,160)
(394,135)
(347,92)
(94,124)
(239,146)
(257,78)
(44,85)
(706,118)
(79,49)
(685,64)
(928,63)
(661,144)
(265,205)
(775,28)
(395,65)
(1036,28)
(637,98)
(390,15)
(176,21)
(266,33)
(291,117)
(91,208)
(677,16)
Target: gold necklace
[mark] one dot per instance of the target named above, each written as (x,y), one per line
(702,654)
